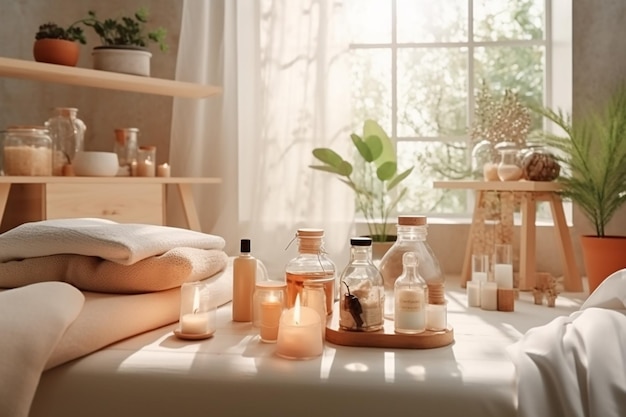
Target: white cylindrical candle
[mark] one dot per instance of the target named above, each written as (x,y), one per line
(473,293)
(410,311)
(163,170)
(145,169)
(270,311)
(479,276)
(489,296)
(194,323)
(436,317)
(503,275)
(299,333)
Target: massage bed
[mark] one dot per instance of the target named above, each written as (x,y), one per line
(489,370)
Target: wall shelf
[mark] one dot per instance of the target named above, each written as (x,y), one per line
(61,74)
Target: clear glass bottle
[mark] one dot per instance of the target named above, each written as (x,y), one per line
(411,236)
(68,136)
(410,297)
(312,263)
(27,150)
(509,167)
(483,165)
(126,145)
(362,294)
(146,161)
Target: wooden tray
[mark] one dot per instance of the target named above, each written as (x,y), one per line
(386,338)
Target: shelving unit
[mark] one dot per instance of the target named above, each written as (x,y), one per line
(124,199)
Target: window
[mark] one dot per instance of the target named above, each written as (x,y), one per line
(417,65)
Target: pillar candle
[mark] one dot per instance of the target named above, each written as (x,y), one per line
(436,317)
(163,170)
(503,275)
(489,296)
(506,299)
(195,323)
(299,333)
(473,293)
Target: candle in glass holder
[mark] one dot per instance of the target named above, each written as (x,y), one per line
(197,315)
(163,170)
(268,303)
(299,333)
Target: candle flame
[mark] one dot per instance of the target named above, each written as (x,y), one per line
(296,310)
(196,301)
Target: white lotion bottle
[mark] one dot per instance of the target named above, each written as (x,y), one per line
(244,282)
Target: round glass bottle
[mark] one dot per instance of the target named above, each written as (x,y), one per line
(410,298)
(362,293)
(27,150)
(312,263)
(483,165)
(412,232)
(509,168)
(68,136)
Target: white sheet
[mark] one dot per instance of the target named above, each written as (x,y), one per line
(576,365)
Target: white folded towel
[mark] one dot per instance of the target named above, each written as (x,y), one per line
(121,243)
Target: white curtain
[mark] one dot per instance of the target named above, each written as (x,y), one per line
(282,66)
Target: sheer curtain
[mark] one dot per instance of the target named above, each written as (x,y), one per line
(282,66)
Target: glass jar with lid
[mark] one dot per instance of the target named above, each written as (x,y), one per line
(509,167)
(312,263)
(68,134)
(27,150)
(412,231)
(538,164)
(362,294)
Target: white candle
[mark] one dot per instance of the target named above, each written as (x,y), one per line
(473,293)
(270,318)
(489,296)
(503,275)
(299,333)
(195,323)
(479,276)
(145,168)
(410,311)
(163,170)
(436,317)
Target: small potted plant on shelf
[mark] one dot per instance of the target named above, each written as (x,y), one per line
(124,42)
(592,153)
(55,44)
(374,178)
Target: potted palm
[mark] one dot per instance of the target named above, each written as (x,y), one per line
(55,44)
(592,154)
(124,42)
(374,178)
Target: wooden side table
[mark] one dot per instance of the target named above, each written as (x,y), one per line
(528,193)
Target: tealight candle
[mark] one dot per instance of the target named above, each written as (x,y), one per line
(299,333)
(163,170)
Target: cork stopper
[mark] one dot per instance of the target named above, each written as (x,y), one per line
(410,220)
(310,240)
(311,233)
(436,293)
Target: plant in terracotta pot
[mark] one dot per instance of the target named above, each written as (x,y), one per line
(592,154)
(55,44)
(124,42)
(374,177)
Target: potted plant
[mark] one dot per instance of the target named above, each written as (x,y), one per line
(124,42)
(58,45)
(374,178)
(592,154)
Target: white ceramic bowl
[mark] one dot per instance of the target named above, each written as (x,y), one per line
(95,164)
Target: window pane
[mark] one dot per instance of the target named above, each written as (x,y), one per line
(432,91)
(430,160)
(431,21)
(369,21)
(508,20)
(371,88)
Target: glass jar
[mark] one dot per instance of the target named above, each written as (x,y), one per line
(146,161)
(538,164)
(126,144)
(362,294)
(27,150)
(68,137)
(312,263)
(268,303)
(410,297)
(509,168)
(483,165)
(412,232)
(314,296)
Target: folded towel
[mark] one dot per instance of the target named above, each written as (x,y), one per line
(91,273)
(121,243)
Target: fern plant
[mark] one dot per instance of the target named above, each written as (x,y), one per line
(373,179)
(593,157)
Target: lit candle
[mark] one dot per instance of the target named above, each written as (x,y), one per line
(145,168)
(270,318)
(473,293)
(299,333)
(503,275)
(163,170)
(196,322)
(489,296)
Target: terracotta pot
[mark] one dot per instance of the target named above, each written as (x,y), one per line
(602,256)
(56,51)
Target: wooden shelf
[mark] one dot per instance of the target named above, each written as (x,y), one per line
(536,186)
(108,180)
(85,77)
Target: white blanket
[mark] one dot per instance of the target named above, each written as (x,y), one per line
(575,366)
(125,244)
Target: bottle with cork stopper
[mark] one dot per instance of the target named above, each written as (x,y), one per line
(411,237)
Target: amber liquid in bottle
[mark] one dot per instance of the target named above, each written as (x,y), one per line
(295,284)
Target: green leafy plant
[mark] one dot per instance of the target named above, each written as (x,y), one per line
(373,179)
(127,30)
(53,31)
(593,157)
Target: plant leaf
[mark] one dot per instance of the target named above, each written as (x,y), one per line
(388,154)
(386,171)
(362,147)
(328,156)
(398,179)
(375,146)
(344,169)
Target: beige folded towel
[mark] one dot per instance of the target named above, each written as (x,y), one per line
(121,243)
(91,273)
